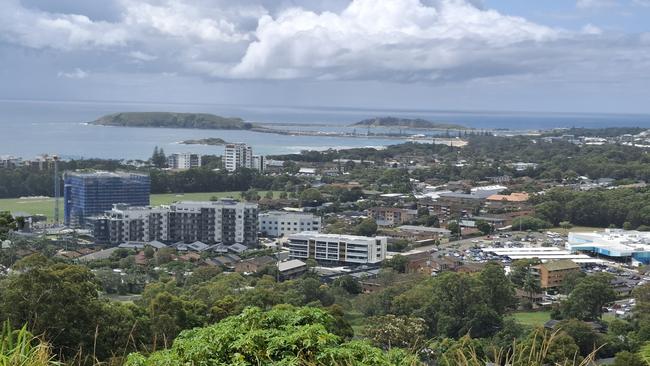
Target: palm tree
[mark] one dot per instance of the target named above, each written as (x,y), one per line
(531,284)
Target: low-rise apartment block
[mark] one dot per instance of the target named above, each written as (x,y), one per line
(391,216)
(335,249)
(553,273)
(280,223)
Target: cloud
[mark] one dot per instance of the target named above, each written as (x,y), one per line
(406,41)
(399,37)
(37,29)
(76,74)
(141,56)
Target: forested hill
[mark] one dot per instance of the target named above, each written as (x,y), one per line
(407,123)
(173,120)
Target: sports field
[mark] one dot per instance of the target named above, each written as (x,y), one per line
(45,205)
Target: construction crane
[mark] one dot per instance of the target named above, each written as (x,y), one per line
(57,189)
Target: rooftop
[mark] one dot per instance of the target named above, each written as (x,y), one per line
(291,264)
(314,235)
(560,265)
(423,229)
(104,174)
(512,197)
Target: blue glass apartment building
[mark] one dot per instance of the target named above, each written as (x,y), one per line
(88,194)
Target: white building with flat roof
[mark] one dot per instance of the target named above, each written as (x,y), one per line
(334,248)
(613,243)
(238,155)
(183,161)
(281,223)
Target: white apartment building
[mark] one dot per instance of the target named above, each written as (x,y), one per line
(259,163)
(225,221)
(333,248)
(280,223)
(183,161)
(238,156)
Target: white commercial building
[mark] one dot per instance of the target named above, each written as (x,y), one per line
(334,248)
(544,254)
(183,161)
(279,223)
(613,243)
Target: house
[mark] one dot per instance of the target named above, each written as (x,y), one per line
(238,248)
(498,203)
(429,263)
(307,172)
(472,221)
(198,246)
(291,269)
(553,273)
(227,260)
(252,265)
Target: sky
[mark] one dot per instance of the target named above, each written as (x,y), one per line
(503,55)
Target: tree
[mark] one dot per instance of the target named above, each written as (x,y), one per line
(550,211)
(587,299)
(570,281)
(268,195)
(389,331)
(454,227)
(149,252)
(311,197)
(397,262)
(520,269)
(158,158)
(57,300)
(170,314)
(7,223)
(484,227)
(367,227)
(583,335)
(281,336)
(531,284)
(349,284)
(497,290)
(625,358)
(524,223)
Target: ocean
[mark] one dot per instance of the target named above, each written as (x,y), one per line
(29,128)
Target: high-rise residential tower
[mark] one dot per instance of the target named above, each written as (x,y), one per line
(87,194)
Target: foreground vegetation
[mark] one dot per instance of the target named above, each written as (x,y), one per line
(199,315)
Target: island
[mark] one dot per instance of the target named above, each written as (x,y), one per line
(173,120)
(407,123)
(214,141)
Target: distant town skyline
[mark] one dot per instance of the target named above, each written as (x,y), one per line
(560,56)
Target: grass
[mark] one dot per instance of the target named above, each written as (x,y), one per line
(45,206)
(532,318)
